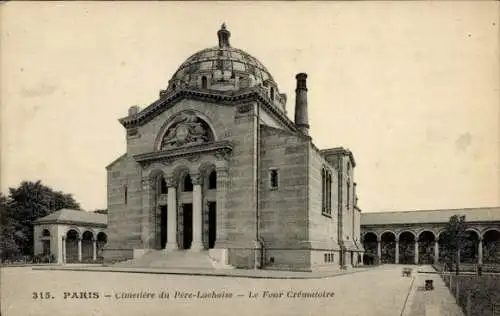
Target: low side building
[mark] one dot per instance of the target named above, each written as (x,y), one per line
(415,237)
(72,236)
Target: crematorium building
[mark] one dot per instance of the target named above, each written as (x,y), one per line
(215,172)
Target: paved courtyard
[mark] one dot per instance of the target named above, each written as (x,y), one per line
(377,291)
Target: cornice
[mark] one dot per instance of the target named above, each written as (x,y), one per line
(69,222)
(339,150)
(168,100)
(221,149)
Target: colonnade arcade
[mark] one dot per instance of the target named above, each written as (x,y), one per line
(427,246)
(82,245)
(184,201)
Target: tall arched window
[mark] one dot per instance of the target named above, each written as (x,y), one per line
(163,186)
(348,188)
(188,184)
(212,180)
(204,82)
(271,92)
(125,194)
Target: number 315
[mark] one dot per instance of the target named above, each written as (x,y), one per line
(41,295)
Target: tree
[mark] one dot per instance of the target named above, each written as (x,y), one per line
(8,245)
(454,239)
(28,202)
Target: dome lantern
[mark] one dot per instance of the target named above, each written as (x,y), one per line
(223,34)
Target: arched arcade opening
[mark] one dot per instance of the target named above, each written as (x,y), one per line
(426,244)
(71,246)
(470,247)
(87,246)
(102,239)
(406,248)
(491,246)
(388,247)
(370,244)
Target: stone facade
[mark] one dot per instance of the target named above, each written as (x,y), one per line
(216,166)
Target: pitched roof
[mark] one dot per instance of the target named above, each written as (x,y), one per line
(68,216)
(483,214)
(115,161)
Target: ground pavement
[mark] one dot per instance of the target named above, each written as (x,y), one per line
(380,291)
(438,302)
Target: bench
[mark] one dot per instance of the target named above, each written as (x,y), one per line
(406,272)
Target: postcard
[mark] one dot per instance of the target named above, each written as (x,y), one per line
(250,158)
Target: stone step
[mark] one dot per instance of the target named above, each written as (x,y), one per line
(180,259)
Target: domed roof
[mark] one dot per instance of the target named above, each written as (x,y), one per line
(222,63)
(226,58)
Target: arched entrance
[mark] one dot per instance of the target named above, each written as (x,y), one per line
(162,189)
(159,189)
(388,247)
(491,246)
(185,215)
(87,246)
(210,209)
(426,243)
(370,245)
(71,246)
(406,248)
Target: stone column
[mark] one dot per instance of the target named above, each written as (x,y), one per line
(94,247)
(63,251)
(220,251)
(197,243)
(222,184)
(480,251)
(148,212)
(79,249)
(205,211)
(436,252)
(416,252)
(171,214)
(397,252)
(379,251)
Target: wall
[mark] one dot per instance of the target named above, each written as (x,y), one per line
(348,206)
(124,220)
(283,211)
(323,230)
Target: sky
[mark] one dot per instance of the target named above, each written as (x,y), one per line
(411,88)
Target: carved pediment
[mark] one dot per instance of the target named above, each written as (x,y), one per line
(186,129)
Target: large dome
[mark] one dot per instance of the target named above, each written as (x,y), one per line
(224,68)
(223,58)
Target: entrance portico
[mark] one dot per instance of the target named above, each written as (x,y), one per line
(183,198)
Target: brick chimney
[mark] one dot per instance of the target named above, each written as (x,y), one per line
(301,117)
